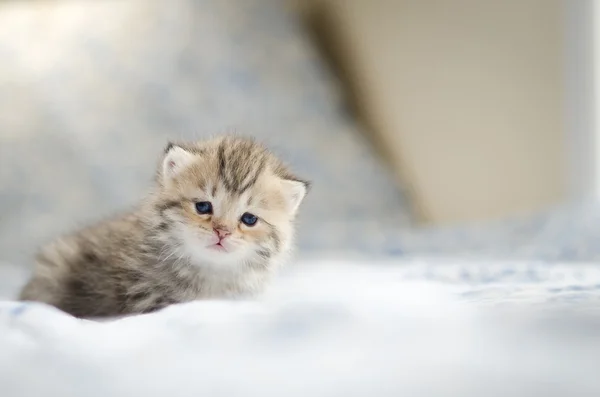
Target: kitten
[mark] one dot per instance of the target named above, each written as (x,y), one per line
(216,225)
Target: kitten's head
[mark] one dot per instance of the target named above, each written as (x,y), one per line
(227,202)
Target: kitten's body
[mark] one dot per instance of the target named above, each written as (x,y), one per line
(164,251)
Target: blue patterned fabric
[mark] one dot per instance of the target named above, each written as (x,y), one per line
(90,91)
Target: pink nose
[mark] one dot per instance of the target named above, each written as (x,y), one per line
(221,233)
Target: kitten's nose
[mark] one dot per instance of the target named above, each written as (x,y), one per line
(221,232)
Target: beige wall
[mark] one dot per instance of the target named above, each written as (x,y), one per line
(466,96)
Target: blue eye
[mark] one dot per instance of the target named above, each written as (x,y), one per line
(248,219)
(204,207)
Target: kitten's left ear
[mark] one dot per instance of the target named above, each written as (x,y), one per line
(295,192)
(176,160)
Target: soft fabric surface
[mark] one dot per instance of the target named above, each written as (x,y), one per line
(427,328)
(566,233)
(90,92)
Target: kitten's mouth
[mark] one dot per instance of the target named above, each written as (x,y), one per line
(218,247)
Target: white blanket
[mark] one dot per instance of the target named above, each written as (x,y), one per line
(425,327)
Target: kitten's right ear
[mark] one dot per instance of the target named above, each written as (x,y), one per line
(295,191)
(176,160)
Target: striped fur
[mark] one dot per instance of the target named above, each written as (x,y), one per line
(164,251)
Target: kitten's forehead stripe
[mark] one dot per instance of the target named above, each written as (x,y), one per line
(221,156)
(240,162)
(252,180)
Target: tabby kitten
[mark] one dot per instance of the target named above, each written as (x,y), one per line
(216,225)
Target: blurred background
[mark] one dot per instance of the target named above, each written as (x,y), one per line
(428,127)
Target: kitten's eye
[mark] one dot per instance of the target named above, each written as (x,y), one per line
(248,219)
(204,207)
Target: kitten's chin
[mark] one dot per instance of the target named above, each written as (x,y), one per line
(207,255)
(223,256)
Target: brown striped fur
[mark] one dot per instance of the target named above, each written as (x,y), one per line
(163,252)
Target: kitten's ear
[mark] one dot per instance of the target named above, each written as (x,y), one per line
(295,191)
(176,160)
